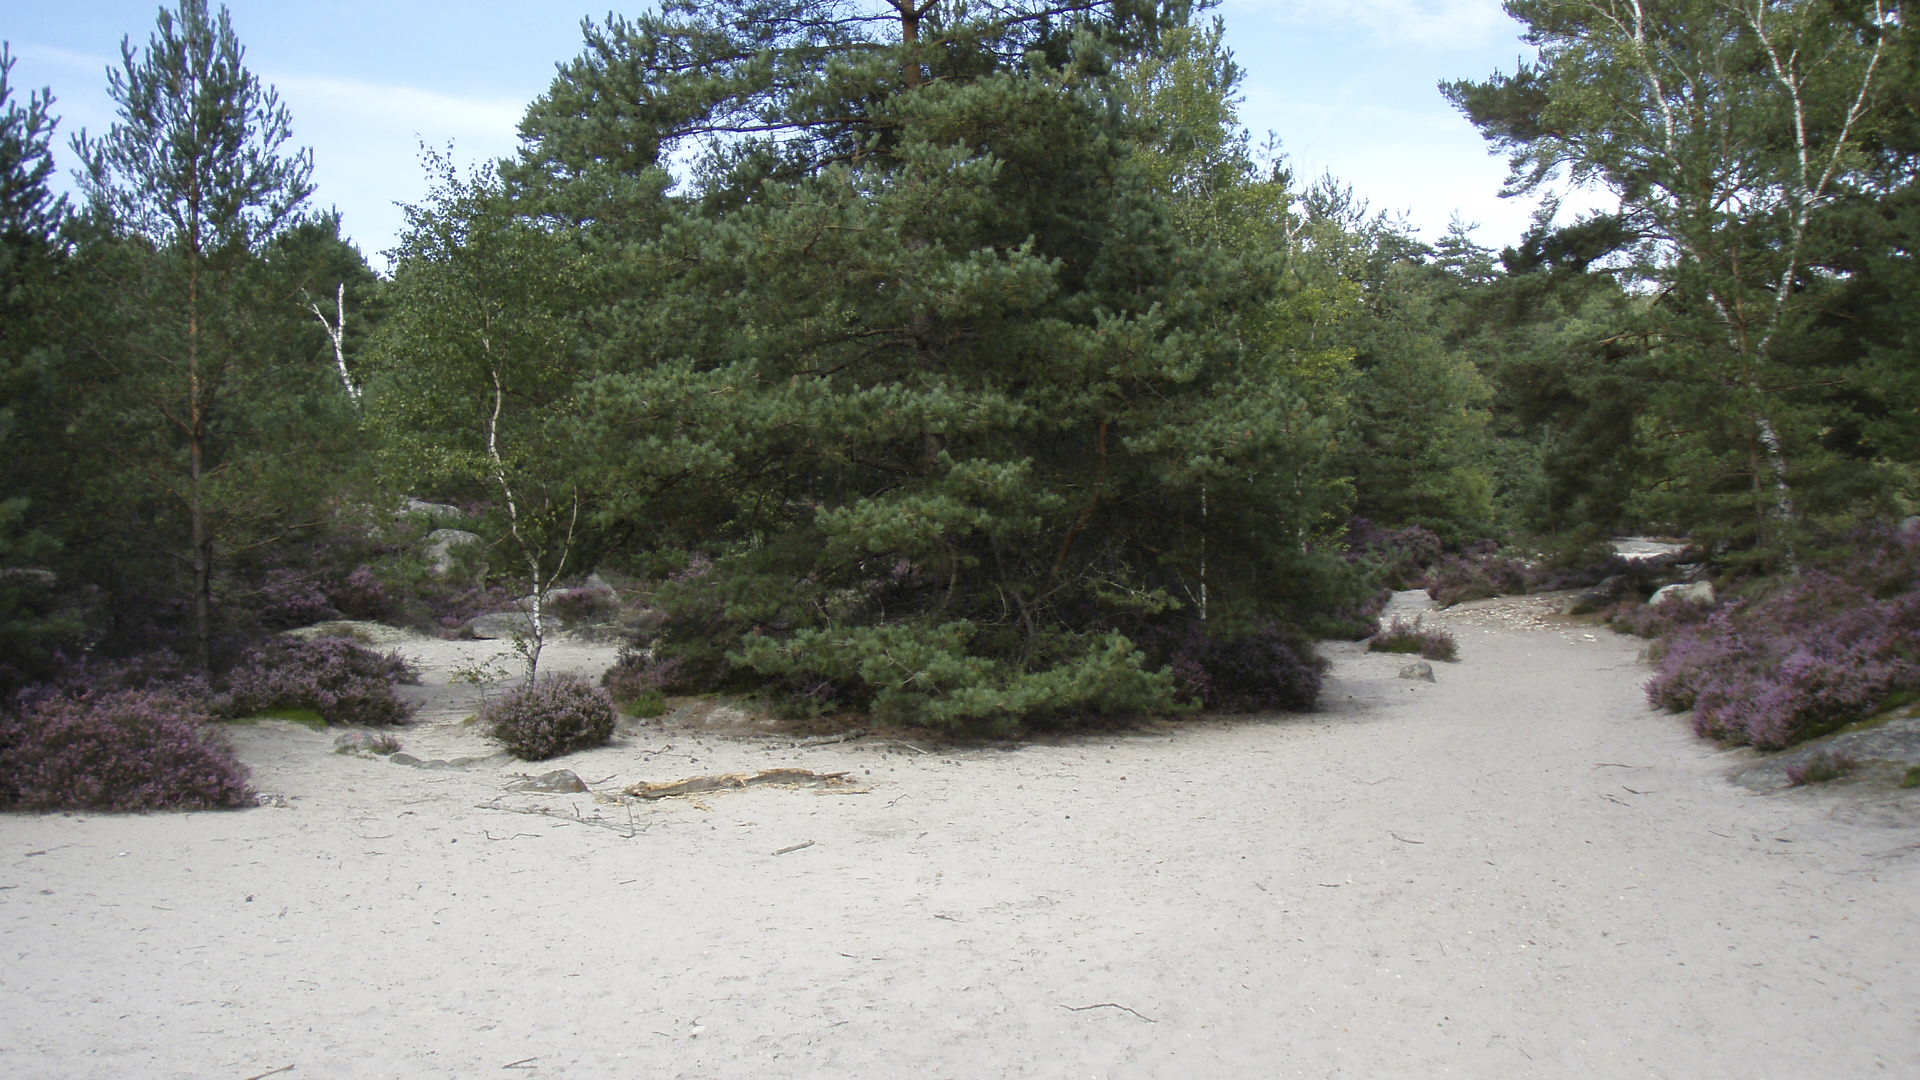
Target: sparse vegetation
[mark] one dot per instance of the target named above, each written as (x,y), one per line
(1401,636)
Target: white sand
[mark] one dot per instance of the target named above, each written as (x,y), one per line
(1518,871)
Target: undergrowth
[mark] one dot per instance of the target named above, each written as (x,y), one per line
(1810,655)
(119,750)
(1401,636)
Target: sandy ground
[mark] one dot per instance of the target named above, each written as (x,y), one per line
(1516,871)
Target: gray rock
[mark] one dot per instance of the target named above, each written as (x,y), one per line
(1693,592)
(433,512)
(442,764)
(1883,751)
(502,624)
(29,577)
(1601,596)
(1911,526)
(557,782)
(441,544)
(366,744)
(1418,670)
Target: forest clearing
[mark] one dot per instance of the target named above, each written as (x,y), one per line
(1517,870)
(899,535)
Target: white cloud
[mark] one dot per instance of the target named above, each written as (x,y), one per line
(1443,24)
(434,115)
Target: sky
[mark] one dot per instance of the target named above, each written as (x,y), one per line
(1348,86)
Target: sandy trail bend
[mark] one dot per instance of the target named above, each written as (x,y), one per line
(1516,871)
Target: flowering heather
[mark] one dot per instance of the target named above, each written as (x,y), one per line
(554,716)
(339,679)
(125,750)
(1830,648)
(1400,557)
(1411,637)
(1265,668)
(1476,576)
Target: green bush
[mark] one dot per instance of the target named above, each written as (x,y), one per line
(926,676)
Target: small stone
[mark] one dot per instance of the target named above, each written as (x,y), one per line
(1418,670)
(557,782)
(366,744)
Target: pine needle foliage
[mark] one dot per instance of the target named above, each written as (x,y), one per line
(918,354)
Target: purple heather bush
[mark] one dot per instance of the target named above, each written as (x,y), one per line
(584,603)
(1831,647)
(1402,636)
(1265,668)
(361,595)
(1820,767)
(338,678)
(289,598)
(1655,621)
(1400,557)
(1476,575)
(557,715)
(121,750)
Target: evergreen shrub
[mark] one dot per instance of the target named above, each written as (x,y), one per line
(556,715)
(119,751)
(1821,767)
(1476,575)
(930,676)
(361,595)
(343,681)
(1257,669)
(291,598)
(1399,558)
(639,684)
(1832,646)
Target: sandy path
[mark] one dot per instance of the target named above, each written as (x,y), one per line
(1516,871)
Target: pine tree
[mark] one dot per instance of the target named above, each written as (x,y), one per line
(185,190)
(922,360)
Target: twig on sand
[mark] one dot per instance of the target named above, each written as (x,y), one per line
(818,740)
(626,831)
(1403,839)
(794,847)
(1615,765)
(521,1064)
(1109,1005)
(271,1072)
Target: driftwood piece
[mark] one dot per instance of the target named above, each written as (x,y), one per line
(700,785)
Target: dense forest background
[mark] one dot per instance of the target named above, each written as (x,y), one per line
(964,364)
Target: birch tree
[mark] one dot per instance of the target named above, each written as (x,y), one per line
(1724,128)
(473,373)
